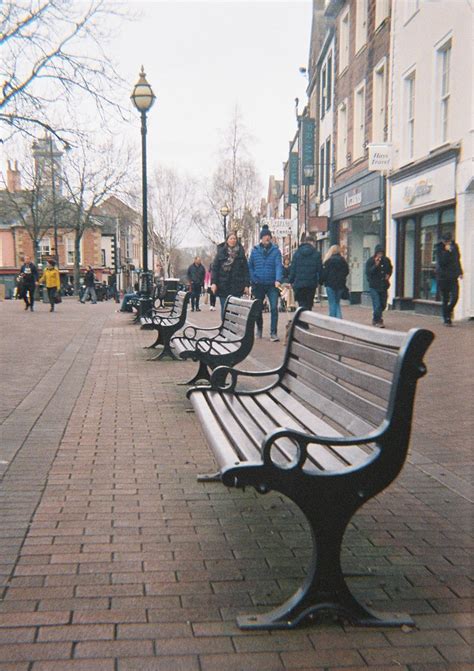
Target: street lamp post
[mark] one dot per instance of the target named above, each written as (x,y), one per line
(143,98)
(225,211)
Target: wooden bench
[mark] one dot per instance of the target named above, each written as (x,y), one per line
(166,323)
(226,344)
(330,431)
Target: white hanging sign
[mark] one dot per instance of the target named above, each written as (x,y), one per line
(380,157)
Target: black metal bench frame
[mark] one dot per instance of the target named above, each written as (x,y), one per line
(167,323)
(230,343)
(328,473)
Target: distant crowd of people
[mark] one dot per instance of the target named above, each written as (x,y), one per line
(268,277)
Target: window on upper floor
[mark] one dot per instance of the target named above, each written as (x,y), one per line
(344,26)
(327,168)
(409,115)
(69,250)
(323,91)
(443,87)
(379,102)
(342,135)
(361,24)
(382,10)
(359,122)
(410,8)
(321,171)
(329,83)
(45,246)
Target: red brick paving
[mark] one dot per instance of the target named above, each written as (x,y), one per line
(113,557)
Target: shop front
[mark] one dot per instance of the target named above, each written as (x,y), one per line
(423,205)
(357,225)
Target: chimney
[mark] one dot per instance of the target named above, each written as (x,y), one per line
(13,178)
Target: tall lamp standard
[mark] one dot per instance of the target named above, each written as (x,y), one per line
(143,98)
(225,211)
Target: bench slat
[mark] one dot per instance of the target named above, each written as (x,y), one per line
(381,358)
(383,337)
(350,423)
(322,459)
(247,449)
(350,454)
(376,386)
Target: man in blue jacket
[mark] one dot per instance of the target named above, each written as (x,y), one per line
(266,272)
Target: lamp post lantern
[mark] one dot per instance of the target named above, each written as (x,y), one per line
(225,211)
(143,98)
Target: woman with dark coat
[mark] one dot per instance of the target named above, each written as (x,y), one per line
(229,270)
(335,271)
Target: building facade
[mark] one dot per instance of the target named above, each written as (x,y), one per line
(431,184)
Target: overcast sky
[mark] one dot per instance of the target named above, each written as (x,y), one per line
(204,57)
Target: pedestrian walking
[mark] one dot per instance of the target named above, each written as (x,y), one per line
(229,270)
(208,290)
(334,275)
(196,274)
(449,271)
(89,283)
(378,270)
(266,271)
(305,272)
(29,278)
(51,279)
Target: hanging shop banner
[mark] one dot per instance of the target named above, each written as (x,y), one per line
(293,178)
(307,153)
(380,157)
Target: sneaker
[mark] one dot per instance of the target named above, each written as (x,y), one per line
(259,334)
(211,309)
(274,338)
(198,309)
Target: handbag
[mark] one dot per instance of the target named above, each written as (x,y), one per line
(345,295)
(58,299)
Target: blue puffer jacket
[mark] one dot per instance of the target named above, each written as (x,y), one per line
(265,265)
(306,267)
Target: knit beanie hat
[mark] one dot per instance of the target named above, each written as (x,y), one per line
(265,231)
(379,248)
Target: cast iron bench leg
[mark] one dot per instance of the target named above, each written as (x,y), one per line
(324,588)
(155,344)
(202,374)
(166,351)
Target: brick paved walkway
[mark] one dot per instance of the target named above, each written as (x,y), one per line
(112,556)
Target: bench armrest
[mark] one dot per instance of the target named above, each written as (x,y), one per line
(305,439)
(219,375)
(191,334)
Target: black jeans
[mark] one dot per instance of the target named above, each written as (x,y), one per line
(195,295)
(29,295)
(52,296)
(449,295)
(305,297)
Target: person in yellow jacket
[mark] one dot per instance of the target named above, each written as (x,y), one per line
(50,278)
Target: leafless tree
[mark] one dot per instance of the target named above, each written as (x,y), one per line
(234,182)
(35,206)
(172,202)
(92,174)
(51,51)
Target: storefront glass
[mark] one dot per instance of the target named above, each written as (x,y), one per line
(409,259)
(358,237)
(428,240)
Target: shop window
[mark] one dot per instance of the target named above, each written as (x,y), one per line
(409,259)
(448,222)
(428,240)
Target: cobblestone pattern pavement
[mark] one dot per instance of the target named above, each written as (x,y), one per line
(113,557)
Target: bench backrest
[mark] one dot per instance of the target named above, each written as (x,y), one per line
(239,319)
(356,377)
(180,302)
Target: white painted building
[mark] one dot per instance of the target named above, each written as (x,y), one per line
(430,189)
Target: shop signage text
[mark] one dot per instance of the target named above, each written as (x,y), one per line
(352,199)
(279,227)
(417,190)
(380,156)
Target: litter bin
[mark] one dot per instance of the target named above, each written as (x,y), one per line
(172,287)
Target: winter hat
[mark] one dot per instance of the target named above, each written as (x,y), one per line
(379,248)
(265,231)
